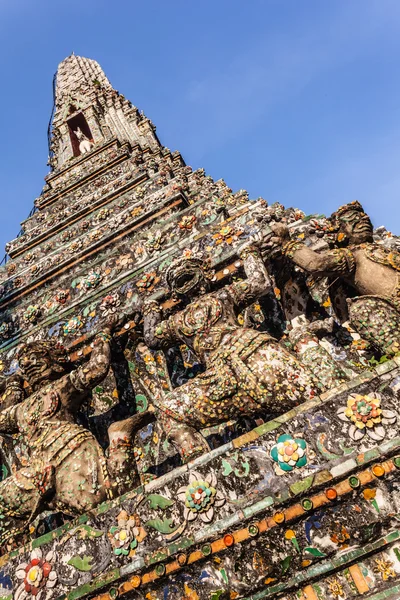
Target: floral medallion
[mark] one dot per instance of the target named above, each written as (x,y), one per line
(147,282)
(35,269)
(109,305)
(32,313)
(336,589)
(187,222)
(136,211)
(227,234)
(38,577)
(384,568)
(103,213)
(125,261)
(200,497)
(126,536)
(91,280)
(84,225)
(5,330)
(155,241)
(62,296)
(72,326)
(29,257)
(289,453)
(95,235)
(67,235)
(11,268)
(75,247)
(365,415)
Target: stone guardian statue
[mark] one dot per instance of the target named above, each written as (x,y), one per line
(85,145)
(370,271)
(68,470)
(247,371)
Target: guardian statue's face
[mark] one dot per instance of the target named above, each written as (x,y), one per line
(356,226)
(37,366)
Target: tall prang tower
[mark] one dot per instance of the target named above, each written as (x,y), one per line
(299,506)
(116,202)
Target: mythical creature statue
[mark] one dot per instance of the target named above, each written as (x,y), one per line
(85,145)
(247,371)
(68,470)
(370,272)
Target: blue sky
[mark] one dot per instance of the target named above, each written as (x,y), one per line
(297,101)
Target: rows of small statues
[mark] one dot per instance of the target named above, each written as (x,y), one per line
(246,371)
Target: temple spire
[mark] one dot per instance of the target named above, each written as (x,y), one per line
(88,110)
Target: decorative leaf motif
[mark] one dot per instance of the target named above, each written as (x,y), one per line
(82,564)
(3,472)
(162,525)
(157,501)
(314,552)
(285,564)
(216,595)
(227,468)
(141,402)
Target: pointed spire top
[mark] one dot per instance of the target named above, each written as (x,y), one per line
(78,75)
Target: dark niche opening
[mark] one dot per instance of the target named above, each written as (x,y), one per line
(78,123)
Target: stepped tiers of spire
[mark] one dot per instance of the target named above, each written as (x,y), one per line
(86,101)
(154,327)
(77,74)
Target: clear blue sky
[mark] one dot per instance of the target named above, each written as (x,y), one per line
(297,101)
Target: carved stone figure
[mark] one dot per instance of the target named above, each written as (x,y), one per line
(304,337)
(370,271)
(247,371)
(85,145)
(68,470)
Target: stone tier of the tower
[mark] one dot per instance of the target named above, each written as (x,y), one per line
(129,232)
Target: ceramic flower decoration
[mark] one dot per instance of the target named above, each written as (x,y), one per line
(227,234)
(103,214)
(110,304)
(147,282)
(38,577)
(385,568)
(91,280)
(75,246)
(187,222)
(365,416)
(125,537)
(32,313)
(155,241)
(29,257)
(62,296)
(289,453)
(73,325)
(125,261)
(5,329)
(200,497)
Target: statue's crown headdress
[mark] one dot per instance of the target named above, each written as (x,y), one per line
(56,350)
(185,264)
(351,206)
